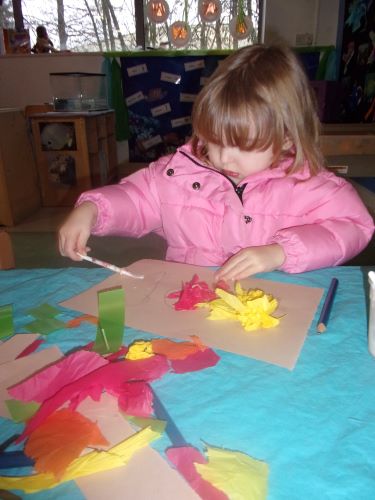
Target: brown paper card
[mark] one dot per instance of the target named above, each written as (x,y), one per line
(12,347)
(146,476)
(148,309)
(20,369)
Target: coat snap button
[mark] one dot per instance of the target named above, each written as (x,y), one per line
(247,218)
(170,172)
(196,186)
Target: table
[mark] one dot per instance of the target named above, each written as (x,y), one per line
(314,426)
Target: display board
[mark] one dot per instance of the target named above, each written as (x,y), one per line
(159,90)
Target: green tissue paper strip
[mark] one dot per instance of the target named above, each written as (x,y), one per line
(110,332)
(44,311)
(6,321)
(21,411)
(45,325)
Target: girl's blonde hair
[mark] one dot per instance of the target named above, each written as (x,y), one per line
(260,97)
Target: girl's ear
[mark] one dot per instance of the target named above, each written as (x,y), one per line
(287,144)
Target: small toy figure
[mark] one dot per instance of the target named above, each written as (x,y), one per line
(57,137)
(62,170)
(43,43)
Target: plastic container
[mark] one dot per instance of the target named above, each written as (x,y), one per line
(79,91)
(371,319)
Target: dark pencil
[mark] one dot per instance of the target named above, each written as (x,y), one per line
(171,429)
(327,306)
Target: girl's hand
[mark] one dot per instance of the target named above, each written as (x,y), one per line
(75,231)
(250,261)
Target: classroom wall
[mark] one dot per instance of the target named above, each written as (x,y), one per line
(327,22)
(285,19)
(24,79)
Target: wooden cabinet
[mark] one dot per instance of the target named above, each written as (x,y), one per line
(6,251)
(19,189)
(74,152)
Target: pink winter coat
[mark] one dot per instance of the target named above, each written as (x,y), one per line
(319,221)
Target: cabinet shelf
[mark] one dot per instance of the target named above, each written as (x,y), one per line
(74,152)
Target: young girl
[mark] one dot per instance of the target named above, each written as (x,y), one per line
(249,192)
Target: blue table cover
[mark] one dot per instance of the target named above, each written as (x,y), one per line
(314,426)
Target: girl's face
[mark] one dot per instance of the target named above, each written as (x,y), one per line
(236,163)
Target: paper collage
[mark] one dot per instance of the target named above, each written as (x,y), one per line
(148,309)
(70,436)
(91,414)
(96,421)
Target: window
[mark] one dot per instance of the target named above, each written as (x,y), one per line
(122,25)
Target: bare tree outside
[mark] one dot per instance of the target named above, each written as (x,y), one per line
(63,36)
(109,25)
(18,18)
(96,32)
(6,13)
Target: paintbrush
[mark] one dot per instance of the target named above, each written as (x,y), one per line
(112,267)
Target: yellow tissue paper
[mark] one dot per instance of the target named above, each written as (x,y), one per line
(140,349)
(252,308)
(236,474)
(96,461)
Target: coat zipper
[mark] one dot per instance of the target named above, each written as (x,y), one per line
(237,188)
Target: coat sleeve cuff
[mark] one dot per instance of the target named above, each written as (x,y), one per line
(102,224)
(296,260)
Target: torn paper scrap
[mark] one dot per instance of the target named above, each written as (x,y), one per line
(91,463)
(235,473)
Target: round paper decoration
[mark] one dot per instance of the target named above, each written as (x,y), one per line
(157,12)
(209,10)
(179,33)
(240,27)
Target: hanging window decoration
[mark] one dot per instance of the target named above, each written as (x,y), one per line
(241,26)
(157,12)
(179,34)
(209,10)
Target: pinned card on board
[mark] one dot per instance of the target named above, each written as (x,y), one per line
(149,309)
